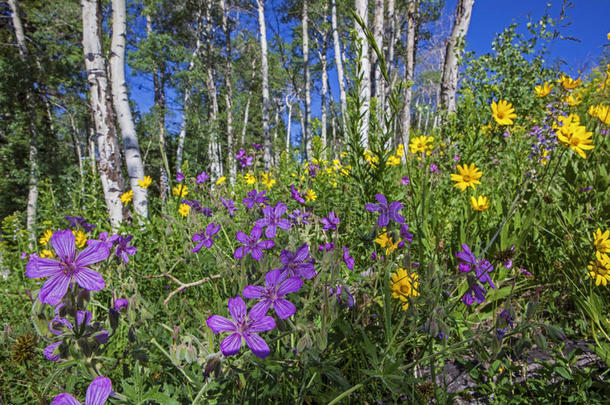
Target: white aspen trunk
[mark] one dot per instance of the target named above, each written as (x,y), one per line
(324,98)
(339,64)
(289,105)
(91,148)
(107,142)
(229,93)
(449,81)
(305,34)
(213,145)
(265,74)
(276,120)
(133,159)
(32,203)
(365,72)
(378,27)
(409,69)
(302,119)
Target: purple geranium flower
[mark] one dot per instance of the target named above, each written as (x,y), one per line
(295,194)
(407,235)
(326,247)
(49,351)
(386,212)
(202,177)
(313,170)
(179,177)
(252,244)
(103,238)
(434,168)
(349,260)
(405,180)
(123,249)
(273,219)
(331,222)
(299,217)
(276,287)
(257,146)
(243,326)
(481,269)
(342,294)
(70,266)
(121,303)
(255,198)
(229,205)
(206,238)
(98,392)
(298,263)
(80,221)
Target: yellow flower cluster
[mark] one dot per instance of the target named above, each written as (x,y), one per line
(46,236)
(600,111)
(404,286)
(421,144)
(127,196)
(250,179)
(573,99)
(370,157)
(599,269)
(570,133)
(544,90)
(80,238)
(394,160)
(184,210)
(221,180)
(180,190)
(145,182)
(267,180)
(503,112)
(385,241)
(468,176)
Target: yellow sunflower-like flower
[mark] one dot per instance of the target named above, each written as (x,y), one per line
(267,180)
(573,100)
(311,195)
(145,182)
(468,176)
(400,150)
(393,160)
(503,112)
(544,90)
(385,241)
(47,254)
(480,203)
(80,238)
(127,197)
(250,179)
(46,236)
(180,190)
(421,144)
(602,112)
(568,83)
(599,269)
(404,286)
(601,241)
(184,210)
(577,138)
(221,180)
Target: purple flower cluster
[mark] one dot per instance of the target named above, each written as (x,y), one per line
(347,258)
(299,217)
(481,268)
(252,244)
(330,222)
(202,177)
(255,198)
(179,177)
(386,211)
(229,204)
(296,195)
(273,219)
(197,207)
(76,222)
(207,237)
(243,160)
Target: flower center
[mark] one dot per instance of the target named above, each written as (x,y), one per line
(69,268)
(466,178)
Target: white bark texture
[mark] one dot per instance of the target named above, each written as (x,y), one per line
(378,31)
(339,64)
(364,91)
(289,105)
(449,82)
(229,92)
(305,34)
(108,146)
(323,101)
(213,147)
(265,73)
(409,71)
(133,158)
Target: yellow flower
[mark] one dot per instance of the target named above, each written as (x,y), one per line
(346,171)
(221,180)
(80,238)
(420,144)
(404,286)
(545,157)
(310,195)
(572,101)
(467,177)
(267,181)
(127,197)
(250,179)
(400,150)
(386,242)
(46,254)
(145,182)
(601,241)
(393,161)
(337,164)
(599,269)
(577,138)
(370,157)
(180,190)
(543,90)
(479,204)
(184,210)
(46,236)
(568,83)
(503,112)
(602,112)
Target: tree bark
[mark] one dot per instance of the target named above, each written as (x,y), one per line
(133,158)
(289,105)
(213,146)
(365,74)
(449,82)
(378,28)
(412,22)
(324,97)
(265,74)
(108,145)
(339,64)
(229,92)
(305,35)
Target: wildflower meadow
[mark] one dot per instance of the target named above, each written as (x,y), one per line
(466,261)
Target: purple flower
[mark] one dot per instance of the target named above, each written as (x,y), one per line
(342,294)
(456,158)
(98,392)
(526,273)
(179,177)
(257,146)
(197,207)
(313,170)
(202,177)
(276,287)
(229,205)
(331,222)
(481,269)
(75,222)
(298,263)
(299,217)
(386,212)
(244,161)
(405,180)
(349,261)
(252,245)
(240,154)
(295,194)
(49,351)
(255,198)
(273,219)
(206,238)
(123,249)
(585,189)
(433,168)
(103,238)
(243,326)
(406,235)
(326,247)
(121,303)
(70,266)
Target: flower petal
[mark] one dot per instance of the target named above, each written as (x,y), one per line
(64,245)
(384,219)
(96,252)
(259,309)
(54,289)
(265,244)
(261,324)
(231,344)
(258,346)
(256,253)
(284,308)
(98,392)
(290,285)
(270,231)
(382,200)
(237,308)
(49,350)
(253,291)
(89,279)
(65,399)
(301,253)
(220,324)
(39,267)
(240,252)
(372,207)
(255,233)
(272,278)
(242,237)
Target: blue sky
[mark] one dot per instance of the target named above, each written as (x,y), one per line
(587,21)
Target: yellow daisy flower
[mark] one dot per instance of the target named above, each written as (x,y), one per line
(46,236)
(184,210)
(311,195)
(503,112)
(601,241)
(250,179)
(404,286)
(467,177)
(393,160)
(573,100)
(47,254)
(568,83)
(599,269)
(543,90)
(127,197)
(577,138)
(480,203)
(180,190)
(145,182)
(385,241)
(267,181)
(420,144)
(80,238)
(221,180)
